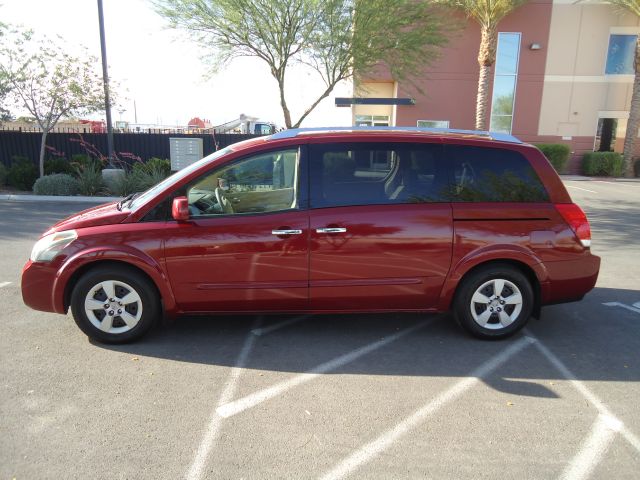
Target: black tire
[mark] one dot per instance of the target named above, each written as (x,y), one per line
(122,277)
(515,282)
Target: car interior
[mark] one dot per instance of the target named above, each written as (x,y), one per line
(352,177)
(264,183)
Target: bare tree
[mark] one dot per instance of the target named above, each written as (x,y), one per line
(47,81)
(4,86)
(337,38)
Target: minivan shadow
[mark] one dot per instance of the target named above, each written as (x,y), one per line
(593,349)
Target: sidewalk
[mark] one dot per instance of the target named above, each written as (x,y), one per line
(12,197)
(582,178)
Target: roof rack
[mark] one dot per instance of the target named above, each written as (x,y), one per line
(294,132)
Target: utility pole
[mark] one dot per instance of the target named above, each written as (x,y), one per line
(105,81)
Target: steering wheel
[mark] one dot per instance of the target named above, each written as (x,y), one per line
(224,203)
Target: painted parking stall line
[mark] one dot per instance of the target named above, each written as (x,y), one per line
(624,184)
(254,399)
(215,422)
(598,404)
(593,448)
(259,332)
(583,189)
(4,284)
(635,308)
(374,448)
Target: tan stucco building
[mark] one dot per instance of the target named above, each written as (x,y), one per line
(564,74)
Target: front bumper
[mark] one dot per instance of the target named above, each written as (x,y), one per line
(38,285)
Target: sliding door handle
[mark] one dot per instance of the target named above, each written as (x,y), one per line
(286,232)
(331,230)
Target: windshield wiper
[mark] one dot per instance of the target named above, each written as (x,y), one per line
(129,198)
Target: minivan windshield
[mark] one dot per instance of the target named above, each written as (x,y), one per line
(175,178)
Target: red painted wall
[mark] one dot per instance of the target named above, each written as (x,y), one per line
(450,85)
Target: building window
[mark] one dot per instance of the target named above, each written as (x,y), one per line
(504,82)
(433,123)
(372,120)
(620,54)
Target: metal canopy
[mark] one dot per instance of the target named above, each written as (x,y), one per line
(347,102)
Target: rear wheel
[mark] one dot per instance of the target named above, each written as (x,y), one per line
(494,302)
(114,304)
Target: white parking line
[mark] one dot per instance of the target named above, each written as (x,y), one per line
(624,184)
(593,449)
(583,189)
(618,304)
(372,449)
(215,422)
(250,401)
(4,284)
(586,393)
(277,326)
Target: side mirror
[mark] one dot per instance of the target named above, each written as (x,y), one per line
(180,209)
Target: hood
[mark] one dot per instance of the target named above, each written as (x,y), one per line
(101,215)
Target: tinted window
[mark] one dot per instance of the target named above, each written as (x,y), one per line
(492,175)
(620,55)
(262,183)
(363,174)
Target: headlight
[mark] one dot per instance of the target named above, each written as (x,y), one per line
(48,247)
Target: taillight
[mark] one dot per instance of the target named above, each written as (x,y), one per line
(577,220)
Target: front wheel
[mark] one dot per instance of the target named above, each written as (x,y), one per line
(114,304)
(494,302)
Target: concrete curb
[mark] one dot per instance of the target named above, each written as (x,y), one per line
(575,178)
(52,198)
(581,178)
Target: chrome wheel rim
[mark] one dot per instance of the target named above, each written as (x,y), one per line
(113,306)
(496,304)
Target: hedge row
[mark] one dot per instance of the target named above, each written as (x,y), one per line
(556,153)
(606,164)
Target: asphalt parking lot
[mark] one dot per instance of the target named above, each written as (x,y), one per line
(362,396)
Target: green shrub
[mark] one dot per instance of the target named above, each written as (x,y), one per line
(57,165)
(154,165)
(80,161)
(3,174)
(90,180)
(149,174)
(125,184)
(56,184)
(556,153)
(608,164)
(22,174)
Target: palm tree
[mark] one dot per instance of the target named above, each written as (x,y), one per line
(631,6)
(488,13)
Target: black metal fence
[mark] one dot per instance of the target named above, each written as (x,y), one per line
(126,145)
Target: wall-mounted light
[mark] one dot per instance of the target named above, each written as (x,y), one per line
(535,46)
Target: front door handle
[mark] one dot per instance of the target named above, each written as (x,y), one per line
(331,230)
(286,232)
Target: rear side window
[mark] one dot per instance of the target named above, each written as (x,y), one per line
(480,174)
(376,173)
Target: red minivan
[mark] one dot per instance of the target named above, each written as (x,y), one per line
(327,220)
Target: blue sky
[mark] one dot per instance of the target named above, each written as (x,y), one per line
(162,70)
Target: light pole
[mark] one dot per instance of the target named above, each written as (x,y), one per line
(105,81)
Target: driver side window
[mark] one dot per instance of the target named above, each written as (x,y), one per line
(263,183)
